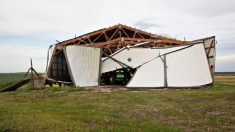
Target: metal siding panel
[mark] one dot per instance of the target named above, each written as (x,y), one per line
(188,68)
(84,64)
(149,75)
(185,68)
(109,65)
(138,57)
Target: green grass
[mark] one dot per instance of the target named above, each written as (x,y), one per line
(6,78)
(205,109)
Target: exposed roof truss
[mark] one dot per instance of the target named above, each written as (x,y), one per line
(118,36)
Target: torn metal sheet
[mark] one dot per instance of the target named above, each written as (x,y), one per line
(149,75)
(134,57)
(184,68)
(188,67)
(84,64)
(209,45)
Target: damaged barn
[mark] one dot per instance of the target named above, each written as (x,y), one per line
(122,55)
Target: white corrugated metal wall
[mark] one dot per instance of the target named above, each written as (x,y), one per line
(84,65)
(184,68)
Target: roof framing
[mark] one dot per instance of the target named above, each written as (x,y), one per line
(118,36)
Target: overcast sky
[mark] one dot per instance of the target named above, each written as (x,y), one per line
(28,27)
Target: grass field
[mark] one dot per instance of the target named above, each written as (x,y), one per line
(6,78)
(205,109)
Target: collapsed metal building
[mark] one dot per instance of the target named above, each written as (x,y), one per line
(122,55)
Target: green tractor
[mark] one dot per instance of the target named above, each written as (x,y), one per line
(117,77)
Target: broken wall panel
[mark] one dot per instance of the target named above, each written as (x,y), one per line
(188,67)
(209,45)
(134,57)
(84,64)
(149,75)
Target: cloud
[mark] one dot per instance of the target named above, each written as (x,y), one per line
(203,8)
(145,24)
(226,58)
(15,58)
(33,25)
(226,46)
(225,63)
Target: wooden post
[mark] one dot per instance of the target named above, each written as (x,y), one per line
(32,79)
(31,69)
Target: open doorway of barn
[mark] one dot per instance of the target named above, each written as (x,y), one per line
(117,77)
(59,69)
